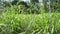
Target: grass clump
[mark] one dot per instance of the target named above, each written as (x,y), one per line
(47,23)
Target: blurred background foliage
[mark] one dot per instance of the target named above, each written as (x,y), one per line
(33,6)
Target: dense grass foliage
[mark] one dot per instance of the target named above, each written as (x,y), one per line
(47,23)
(29,18)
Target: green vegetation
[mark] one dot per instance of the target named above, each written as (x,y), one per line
(30,18)
(47,23)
